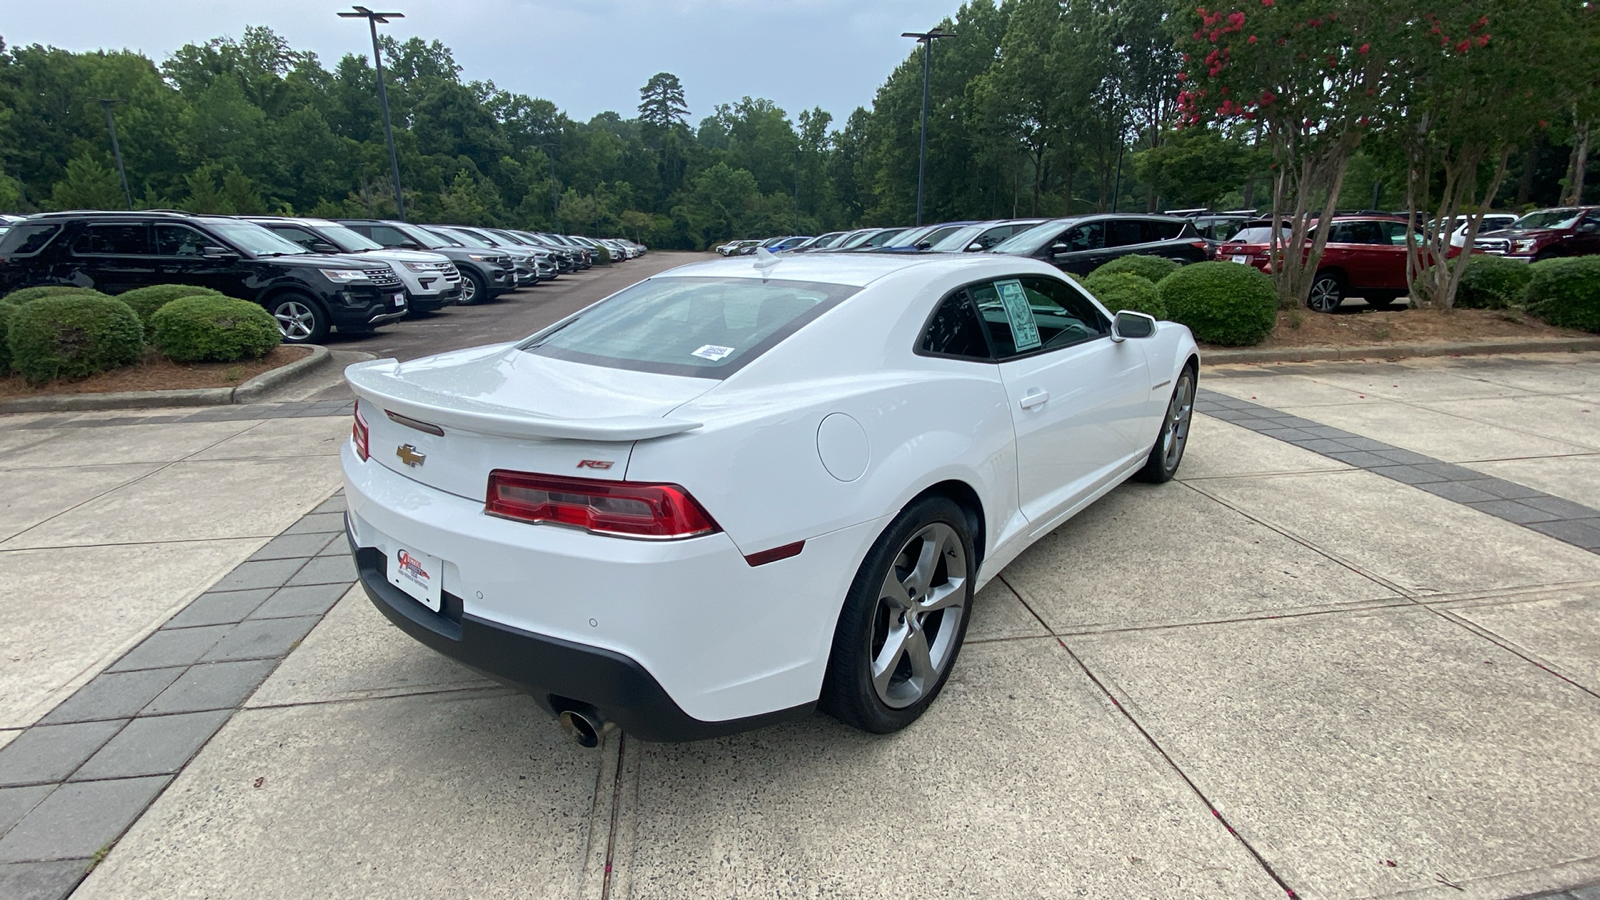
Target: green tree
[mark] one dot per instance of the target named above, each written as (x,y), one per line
(661,103)
(1196,166)
(89,183)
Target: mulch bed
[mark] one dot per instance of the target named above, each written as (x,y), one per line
(156,373)
(1298,328)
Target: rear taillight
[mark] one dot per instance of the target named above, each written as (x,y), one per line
(628,509)
(358,433)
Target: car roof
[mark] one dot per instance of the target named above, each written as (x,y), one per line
(856,269)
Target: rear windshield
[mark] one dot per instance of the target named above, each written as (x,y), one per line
(1257,234)
(25,239)
(701,327)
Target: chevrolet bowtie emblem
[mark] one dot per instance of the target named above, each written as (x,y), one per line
(408,454)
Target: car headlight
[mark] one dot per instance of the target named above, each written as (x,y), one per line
(480,257)
(419,267)
(1524,246)
(344,276)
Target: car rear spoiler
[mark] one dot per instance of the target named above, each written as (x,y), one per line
(376,383)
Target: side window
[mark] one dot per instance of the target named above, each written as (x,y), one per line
(1124,233)
(388,235)
(181,240)
(26,240)
(1161,231)
(1394,233)
(1368,233)
(131,239)
(955,330)
(1341,233)
(994,236)
(1091,236)
(1033,313)
(298,235)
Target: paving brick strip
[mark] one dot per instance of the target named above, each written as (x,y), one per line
(300,410)
(1552,516)
(71,784)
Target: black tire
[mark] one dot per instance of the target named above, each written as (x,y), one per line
(1167,453)
(302,319)
(1327,292)
(474,288)
(869,620)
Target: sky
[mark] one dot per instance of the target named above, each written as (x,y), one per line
(586,56)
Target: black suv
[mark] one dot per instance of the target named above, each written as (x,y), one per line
(486,273)
(1081,244)
(112,252)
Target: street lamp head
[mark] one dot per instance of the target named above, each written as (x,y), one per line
(381,18)
(924,37)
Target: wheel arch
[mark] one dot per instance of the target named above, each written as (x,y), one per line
(965,496)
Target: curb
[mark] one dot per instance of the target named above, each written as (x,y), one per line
(1397,351)
(251,390)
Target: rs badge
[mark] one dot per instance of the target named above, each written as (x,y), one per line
(408,454)
(594,463)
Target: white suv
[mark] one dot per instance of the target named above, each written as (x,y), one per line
(432,281)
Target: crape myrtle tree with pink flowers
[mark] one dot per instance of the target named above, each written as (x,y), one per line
(1450,87)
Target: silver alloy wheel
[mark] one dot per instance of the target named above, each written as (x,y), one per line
(1325,295)
(1176,435)
(296,320)
(918,617)
(469,290)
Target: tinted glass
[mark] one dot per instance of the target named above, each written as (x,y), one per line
(1123,232)
(1060,316)
(1366,233)
(955,330)
(294,233)
(121,239)
(461,237)
(1341,233)
(25,239)
(1162,231)
(884,237)
(1546,218)
(1394,233)
(938,234)
(702,327)
(1089,236)
(1029,242)
(181,240)
(346,239)
(1258,234)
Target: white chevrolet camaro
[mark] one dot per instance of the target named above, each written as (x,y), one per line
(734,493)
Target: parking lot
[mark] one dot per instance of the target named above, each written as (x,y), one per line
(1351,652)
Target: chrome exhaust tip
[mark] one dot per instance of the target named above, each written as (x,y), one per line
(581,726)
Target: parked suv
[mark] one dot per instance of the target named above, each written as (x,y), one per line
(432,281)
(1546,233)
(308,293)
(1365,257)
(485,274)
(1081,244)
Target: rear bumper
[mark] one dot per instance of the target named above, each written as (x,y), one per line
(559,674)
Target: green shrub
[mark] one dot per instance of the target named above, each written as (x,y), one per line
(73,337)
(1566,292)
(1126,290)
(213,329)
(146,300)
(1490,282)
(1150,268)
(30,294)
(602,256)
(1223,303)
(6,309)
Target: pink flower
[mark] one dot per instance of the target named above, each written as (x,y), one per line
(1251,39)
(1364,48)
(1464,46)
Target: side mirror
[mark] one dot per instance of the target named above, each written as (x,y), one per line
(1589,228)
(1059,249)
(976,246)
(220,254)
(323,247)
(1130,324)
(925,245)
(410,245)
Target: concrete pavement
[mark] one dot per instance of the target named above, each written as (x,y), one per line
(1284,672)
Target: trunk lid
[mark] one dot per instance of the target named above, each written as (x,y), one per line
(447,421)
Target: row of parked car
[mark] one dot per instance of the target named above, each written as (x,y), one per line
(313,275)
(1365,253)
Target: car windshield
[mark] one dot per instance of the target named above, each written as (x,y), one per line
(466,239)
(1031,241)
(1547,218)
(254,239)
(348,240)
(422,236)
(28,238)
(701,327)
(1257,234)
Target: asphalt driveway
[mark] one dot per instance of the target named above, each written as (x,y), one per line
(1323,661)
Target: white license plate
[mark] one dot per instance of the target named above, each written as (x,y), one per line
(419,575)
(399,300)
(1241,259)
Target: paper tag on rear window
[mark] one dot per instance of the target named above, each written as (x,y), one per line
(713,352)
(1024,332)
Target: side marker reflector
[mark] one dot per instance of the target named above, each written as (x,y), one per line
(775,554)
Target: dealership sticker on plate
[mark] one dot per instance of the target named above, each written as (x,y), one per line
(713,352)
(1024,333)
(419,575)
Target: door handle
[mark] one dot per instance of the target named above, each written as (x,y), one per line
(1037,398)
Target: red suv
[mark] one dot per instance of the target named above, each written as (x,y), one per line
(1365,257)
(1546,233)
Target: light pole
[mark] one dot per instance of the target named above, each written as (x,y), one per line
(926,39)
(116,151)
(375,19)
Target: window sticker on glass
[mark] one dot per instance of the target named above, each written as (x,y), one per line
(713,352)
(1024,333)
